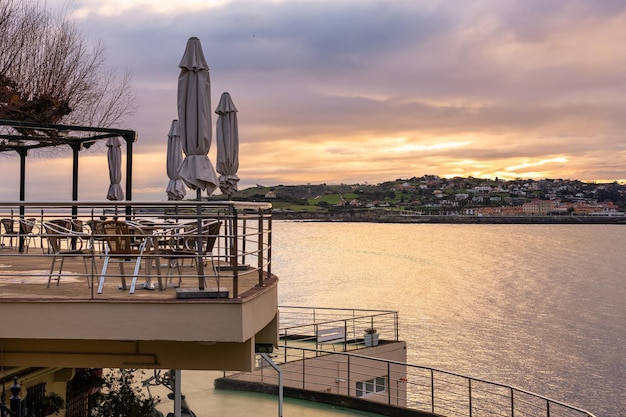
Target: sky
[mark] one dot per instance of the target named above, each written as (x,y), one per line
(355,91)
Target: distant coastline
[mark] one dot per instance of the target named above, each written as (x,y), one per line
(430,199)
(388,218)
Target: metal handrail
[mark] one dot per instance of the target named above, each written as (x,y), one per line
(304,323)
(437,390)
(328,330)
(436,395)
(247,252)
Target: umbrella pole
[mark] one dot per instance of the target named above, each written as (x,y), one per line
(200,244)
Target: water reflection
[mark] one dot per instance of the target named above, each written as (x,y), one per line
(539,307)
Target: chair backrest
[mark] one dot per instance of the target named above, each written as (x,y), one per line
(188,239)
(55,232)
(117,235)
(144,222)
(96,227)
(59,231)
(62,223)
(8,225)
(77,225)
(211,231)
(26,226)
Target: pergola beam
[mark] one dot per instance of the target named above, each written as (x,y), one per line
(43,135)
(21,137)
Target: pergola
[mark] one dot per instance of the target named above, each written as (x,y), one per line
(21,137)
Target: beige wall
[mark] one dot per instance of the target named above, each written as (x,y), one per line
(177,334)
(331,373)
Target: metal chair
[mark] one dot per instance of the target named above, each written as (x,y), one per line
(26,231)
(184,245)
(120,247)
(97,231)
(9,231)
(63,239)
(56,234)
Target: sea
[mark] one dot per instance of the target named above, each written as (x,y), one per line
(538,307)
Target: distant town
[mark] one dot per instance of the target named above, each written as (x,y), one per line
(431,195)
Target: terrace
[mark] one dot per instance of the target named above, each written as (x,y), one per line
(163,291)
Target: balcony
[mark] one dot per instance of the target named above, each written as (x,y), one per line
(163,304)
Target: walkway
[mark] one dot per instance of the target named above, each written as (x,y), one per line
(205,401)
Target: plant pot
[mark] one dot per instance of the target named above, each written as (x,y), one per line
(371,339)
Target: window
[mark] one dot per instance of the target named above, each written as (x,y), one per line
(371,386)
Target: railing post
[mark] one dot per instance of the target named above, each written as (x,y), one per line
(548,408)
(244,231)
(259,254)
(269,246)
(345,335)
(233,255)
(303,368)
(41,233)
(315,330)
(470,396)
(432,391)
(512,404)
(396,324)
(389,383)
(349,376)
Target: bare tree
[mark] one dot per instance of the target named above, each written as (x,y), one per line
(50,74)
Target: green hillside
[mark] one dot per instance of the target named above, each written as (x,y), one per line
(430,194)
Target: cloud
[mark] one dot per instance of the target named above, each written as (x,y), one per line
(324,88)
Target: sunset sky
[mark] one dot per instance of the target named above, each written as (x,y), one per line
(353,91)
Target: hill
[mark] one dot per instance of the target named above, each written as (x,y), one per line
(433,196)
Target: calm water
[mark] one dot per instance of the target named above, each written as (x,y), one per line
(205,401)
(539,307)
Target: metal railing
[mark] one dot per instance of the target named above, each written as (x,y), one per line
(242,247)
(310,365)
(410,386)
(328,328)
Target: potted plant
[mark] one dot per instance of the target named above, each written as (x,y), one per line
(371,337)
(51,403)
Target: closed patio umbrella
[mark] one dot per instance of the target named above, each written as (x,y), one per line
(114,155)
(227,141)
(176,187)
(194,122)
(194,117)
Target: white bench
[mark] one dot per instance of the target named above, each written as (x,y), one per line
(331,335)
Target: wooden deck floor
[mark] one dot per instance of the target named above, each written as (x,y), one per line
(25,276)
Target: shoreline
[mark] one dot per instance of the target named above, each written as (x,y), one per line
(381,218)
